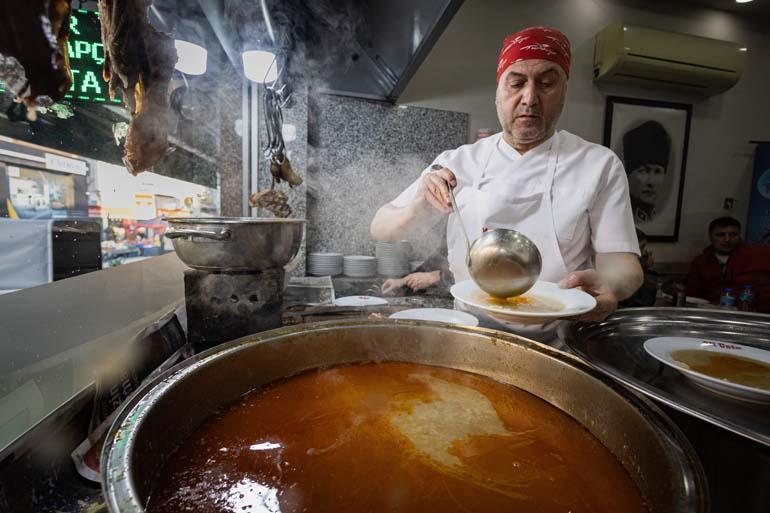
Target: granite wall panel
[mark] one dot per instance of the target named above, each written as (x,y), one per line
(362,154)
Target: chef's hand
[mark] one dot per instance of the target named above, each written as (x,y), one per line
(590,281)
(421,281)
(392,285)
(433,191)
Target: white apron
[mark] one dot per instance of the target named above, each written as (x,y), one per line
(511,203)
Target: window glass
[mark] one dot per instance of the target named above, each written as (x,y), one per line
(65,163)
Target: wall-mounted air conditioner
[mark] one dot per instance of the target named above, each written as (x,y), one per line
(656,58)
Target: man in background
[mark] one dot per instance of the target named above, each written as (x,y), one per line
(646,151)
(727,262)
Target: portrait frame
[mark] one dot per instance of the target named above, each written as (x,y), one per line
(637,130)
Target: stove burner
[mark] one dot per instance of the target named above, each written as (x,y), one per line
(226,306)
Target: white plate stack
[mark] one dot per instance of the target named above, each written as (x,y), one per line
(324,264)
(359,266)
(393,258)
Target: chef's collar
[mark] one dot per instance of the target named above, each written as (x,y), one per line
(513,153)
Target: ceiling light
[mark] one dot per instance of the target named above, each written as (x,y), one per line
(260,66)
(192,58)
(743,1)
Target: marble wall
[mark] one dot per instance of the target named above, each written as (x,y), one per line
(362,154)
(230,153)
(354,155)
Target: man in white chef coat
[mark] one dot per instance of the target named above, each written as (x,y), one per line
(568,195)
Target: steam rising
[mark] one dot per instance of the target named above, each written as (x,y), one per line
(311,38)
(342,206)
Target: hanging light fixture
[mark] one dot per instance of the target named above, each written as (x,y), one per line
(260,66)
(259,53)
(192,57)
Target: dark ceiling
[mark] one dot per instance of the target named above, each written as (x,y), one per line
(753,9)
(757,12)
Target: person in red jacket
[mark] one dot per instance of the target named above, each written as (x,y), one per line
(727,262)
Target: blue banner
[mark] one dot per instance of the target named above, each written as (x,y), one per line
(758,225)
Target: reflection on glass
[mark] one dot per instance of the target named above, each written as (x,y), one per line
(68,207)
(67,164)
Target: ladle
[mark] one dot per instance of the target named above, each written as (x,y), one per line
(502,262)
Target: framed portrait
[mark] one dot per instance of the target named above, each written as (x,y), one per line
(650,137)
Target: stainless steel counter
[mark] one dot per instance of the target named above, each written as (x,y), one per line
(731,437)
(615,346)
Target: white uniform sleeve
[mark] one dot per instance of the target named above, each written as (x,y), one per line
(407,196)
(612,222)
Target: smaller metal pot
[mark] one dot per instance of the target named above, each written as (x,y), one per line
(235,244)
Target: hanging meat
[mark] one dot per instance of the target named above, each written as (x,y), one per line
(34,63)
(138,61)
(275,152)
(274,201)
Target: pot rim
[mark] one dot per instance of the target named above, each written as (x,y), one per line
(233,220)
(122,497)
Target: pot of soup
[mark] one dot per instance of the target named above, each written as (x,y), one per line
(394,416)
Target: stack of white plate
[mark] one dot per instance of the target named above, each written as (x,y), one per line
(393,258)
(324,264)
(360,266)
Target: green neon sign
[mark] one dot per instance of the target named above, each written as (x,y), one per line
(86,53)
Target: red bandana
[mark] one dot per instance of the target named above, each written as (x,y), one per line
(535,43)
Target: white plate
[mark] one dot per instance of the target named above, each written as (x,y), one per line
(438,315)
(661,348)
(574,301)
(360,301)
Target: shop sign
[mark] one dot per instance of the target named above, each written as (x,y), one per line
(86,53)
(65,164)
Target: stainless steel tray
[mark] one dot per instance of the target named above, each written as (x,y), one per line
(615,347)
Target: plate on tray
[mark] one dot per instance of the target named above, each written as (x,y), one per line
(729,369)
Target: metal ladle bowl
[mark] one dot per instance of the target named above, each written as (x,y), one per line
(503,263)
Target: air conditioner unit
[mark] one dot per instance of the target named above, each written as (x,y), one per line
(655,58)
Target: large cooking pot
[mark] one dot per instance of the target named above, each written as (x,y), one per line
(235,244)
(654,452)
